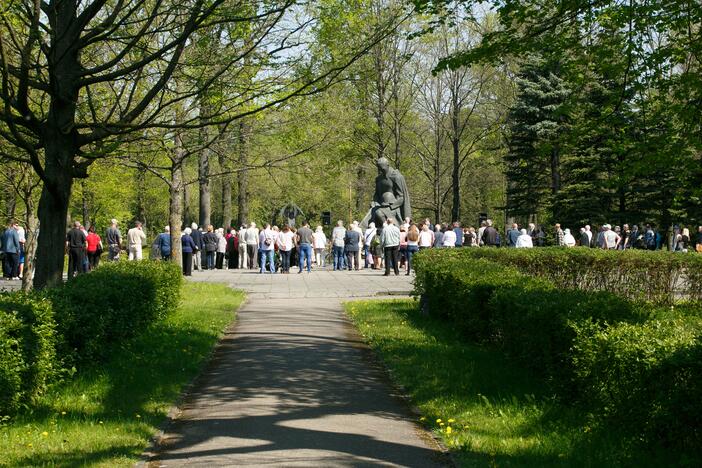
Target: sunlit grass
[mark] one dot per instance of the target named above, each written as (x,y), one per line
(485,409)
(106,415)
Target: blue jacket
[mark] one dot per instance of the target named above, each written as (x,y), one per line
(459,236)
(188,246)
(10,241)
(197,239)
(164,243)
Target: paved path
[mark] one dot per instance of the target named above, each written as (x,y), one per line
(293,385)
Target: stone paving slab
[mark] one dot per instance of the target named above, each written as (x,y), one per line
(292,384)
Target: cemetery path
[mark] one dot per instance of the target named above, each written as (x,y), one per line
(292,383)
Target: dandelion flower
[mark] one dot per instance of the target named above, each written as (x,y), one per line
(451,421)
(449,430)
(99,422)
(438,421)
(45,433)
(63,413)
(422,419)
(442,424)
(138,416)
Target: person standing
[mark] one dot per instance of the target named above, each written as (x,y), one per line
(568,239)
(490,236)
(10,245)
(338,235)
(136,239)
(304,241)
(233,250)
(286,244)
(268,239)
(412,245)
(610,238)
(559,235)
(251,238)
(76,243)
(390,241)
(358,229)
(221,248)
(368,236)
(164,243)
(459,234)
(351,241)
(426,237)
(114,241)
(438,236)
(197,236)
(524,240)
(449,239)
(94,248)
(209,239)
(243,255)
(319,242)
(188,247)
(512,235)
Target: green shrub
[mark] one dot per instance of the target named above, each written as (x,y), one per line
(112,303)
(27,349)
(658,277)
(646,377)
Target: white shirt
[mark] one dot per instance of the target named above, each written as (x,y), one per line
(338,235)
(251,235)
(319,240)
(426,238)
(369,235)
(610,238)
(268,234)
(286,240)
(135,237)
(242,236)
(568,240)
(449,238)
(360,235)
(524,242)
(221,243)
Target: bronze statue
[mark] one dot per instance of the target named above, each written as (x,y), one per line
(391,198)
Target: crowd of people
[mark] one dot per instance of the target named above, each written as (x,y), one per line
(276,250)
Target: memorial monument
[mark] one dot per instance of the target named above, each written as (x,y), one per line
(391,198)
(288,215)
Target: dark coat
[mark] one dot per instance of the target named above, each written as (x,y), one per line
(351,241)
(210,241)
(197,239)
(187,244)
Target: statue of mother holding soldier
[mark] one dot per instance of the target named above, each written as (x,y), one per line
(391,198)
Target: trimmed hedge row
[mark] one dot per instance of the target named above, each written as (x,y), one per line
(43,333)
(658,277)
(632,362)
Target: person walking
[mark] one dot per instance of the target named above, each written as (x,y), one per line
(10,246)
(209,239)
(390,241)
(76,243)
(338,235)
(164,243)
(412,245)
(221,248)
(114,241)
(319,242)
(251,238)
(268,238)
(351,241)
(304,241)
(188,247)
(135,240)
(197,237)
(286,244)
(94,248)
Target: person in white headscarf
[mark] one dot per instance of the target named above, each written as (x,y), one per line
(524,240)
(568,239)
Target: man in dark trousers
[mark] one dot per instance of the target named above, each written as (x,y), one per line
(76,243)
(351,241)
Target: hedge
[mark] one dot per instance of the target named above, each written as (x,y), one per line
(633,362)
(658,277)
(113,303)
(28,361)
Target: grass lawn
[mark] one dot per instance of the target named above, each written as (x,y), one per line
(105,416)
(486,410)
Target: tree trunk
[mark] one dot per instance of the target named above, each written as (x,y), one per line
(555,170)
(53,210)
(203,168)
(30,244)
(175,208)
(226,193)
(85,205)
(456,180)
(141,190)
(243,175)
(188,216)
